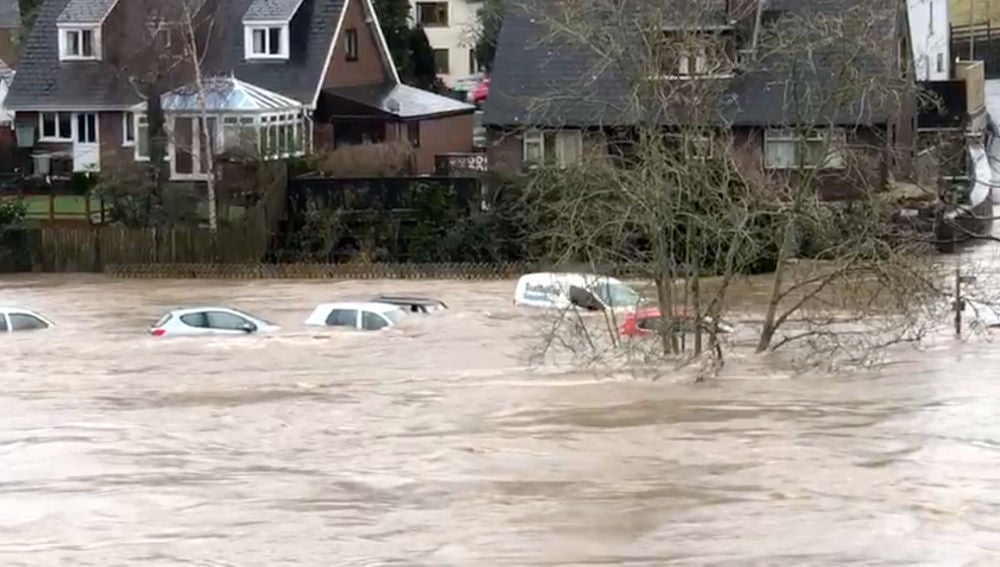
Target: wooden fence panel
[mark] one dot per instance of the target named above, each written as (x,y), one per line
(63,249)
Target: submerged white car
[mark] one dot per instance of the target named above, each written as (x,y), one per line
(15,319)
(366,315)
(210,321)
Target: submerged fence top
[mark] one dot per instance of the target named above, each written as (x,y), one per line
(437,271)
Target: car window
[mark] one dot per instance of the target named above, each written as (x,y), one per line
(195,319)
(250,317)
(372,321)
(394,315)
(342,318)
(226,321)
(163,320)
(3,323)
(25,322)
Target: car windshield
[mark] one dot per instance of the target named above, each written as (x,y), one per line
(393,315)
(163,320)
(249,316)
(616,294)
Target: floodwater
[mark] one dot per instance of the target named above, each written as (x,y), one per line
(436,444)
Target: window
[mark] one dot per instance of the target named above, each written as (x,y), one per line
(695,63)
(696,146)
(473,62)
(3,323)
(432,14)
(79,44)
(128,129)
(56,126)
(562,147)
(141,137)
(784,149)
(25,322)
(441,61)
(86,128)
(342,318)
(227,321)
(940,62)
(373,321)
(413,134)
(351,44)
(199,320)
(269,42)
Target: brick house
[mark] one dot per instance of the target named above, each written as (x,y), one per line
(528,121)
(296,75)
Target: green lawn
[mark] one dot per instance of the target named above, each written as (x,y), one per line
(65,207)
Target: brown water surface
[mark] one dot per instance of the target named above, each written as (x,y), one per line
(435,444)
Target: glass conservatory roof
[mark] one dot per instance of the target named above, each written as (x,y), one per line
(227,94)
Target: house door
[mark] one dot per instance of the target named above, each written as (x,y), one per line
(86,144)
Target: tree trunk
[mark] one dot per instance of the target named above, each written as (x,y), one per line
(777,283)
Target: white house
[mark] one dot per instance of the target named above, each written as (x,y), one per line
(450,27)
(929,35)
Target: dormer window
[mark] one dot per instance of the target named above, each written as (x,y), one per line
(79,43)
(266,42)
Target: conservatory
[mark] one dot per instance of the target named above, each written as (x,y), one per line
(241,118)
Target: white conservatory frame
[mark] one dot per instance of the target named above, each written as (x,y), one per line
(237,112)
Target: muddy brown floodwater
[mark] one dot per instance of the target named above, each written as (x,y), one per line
(434,444)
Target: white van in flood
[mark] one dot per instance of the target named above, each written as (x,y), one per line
(555,290)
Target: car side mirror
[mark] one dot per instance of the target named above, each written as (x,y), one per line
(248,328)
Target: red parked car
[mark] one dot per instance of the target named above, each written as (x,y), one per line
(646,321)
(477,95)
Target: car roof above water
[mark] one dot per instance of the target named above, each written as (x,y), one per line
(358,306)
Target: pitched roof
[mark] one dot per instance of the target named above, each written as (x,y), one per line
(311,31)
(227,94)
(542,81)
(42,83)
(402,100)
(86,11)
(45,83)
(10,14)
(271,10)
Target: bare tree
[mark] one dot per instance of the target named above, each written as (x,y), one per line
(670,179)
(196,36)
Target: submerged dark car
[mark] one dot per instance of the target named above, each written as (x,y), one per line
(412,303)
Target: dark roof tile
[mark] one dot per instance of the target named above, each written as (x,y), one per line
(271,10)
(43,83)
(86,11)
(541,81)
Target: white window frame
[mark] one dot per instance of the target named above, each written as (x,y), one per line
(128,129)
(82,128)
(833,139)
(141,123)
(290,129)
(567,144)
(64,43)
(60,135)
(283,41)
